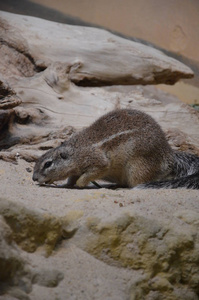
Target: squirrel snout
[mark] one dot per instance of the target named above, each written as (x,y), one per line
(34,177)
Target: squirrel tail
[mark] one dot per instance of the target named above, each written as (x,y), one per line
(185,174)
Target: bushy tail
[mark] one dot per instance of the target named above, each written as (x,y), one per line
(185,174)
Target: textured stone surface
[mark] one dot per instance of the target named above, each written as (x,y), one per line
(30,229)
(17,275)
(119,244)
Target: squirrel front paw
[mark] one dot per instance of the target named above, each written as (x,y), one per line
(82,181)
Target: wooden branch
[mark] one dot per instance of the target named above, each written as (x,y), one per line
(51,78)
(94,56)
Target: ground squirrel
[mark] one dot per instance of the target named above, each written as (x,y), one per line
(126,147)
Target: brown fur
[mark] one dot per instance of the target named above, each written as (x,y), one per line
(124,146)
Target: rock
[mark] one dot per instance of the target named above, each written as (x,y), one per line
(47,278)
(15,276)
(155,255)
(30,229)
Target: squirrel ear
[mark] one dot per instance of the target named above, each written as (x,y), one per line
(64,155)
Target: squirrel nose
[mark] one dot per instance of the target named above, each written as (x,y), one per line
(34,177)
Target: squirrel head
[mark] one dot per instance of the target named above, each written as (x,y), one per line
(56,164)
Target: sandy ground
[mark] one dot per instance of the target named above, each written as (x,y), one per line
(86,277)
(17,185)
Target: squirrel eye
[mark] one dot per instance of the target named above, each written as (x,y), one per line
(48,164)
(64,155)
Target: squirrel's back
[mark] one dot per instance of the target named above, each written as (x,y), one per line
(119,126)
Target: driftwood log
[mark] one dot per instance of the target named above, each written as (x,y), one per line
(55,79)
